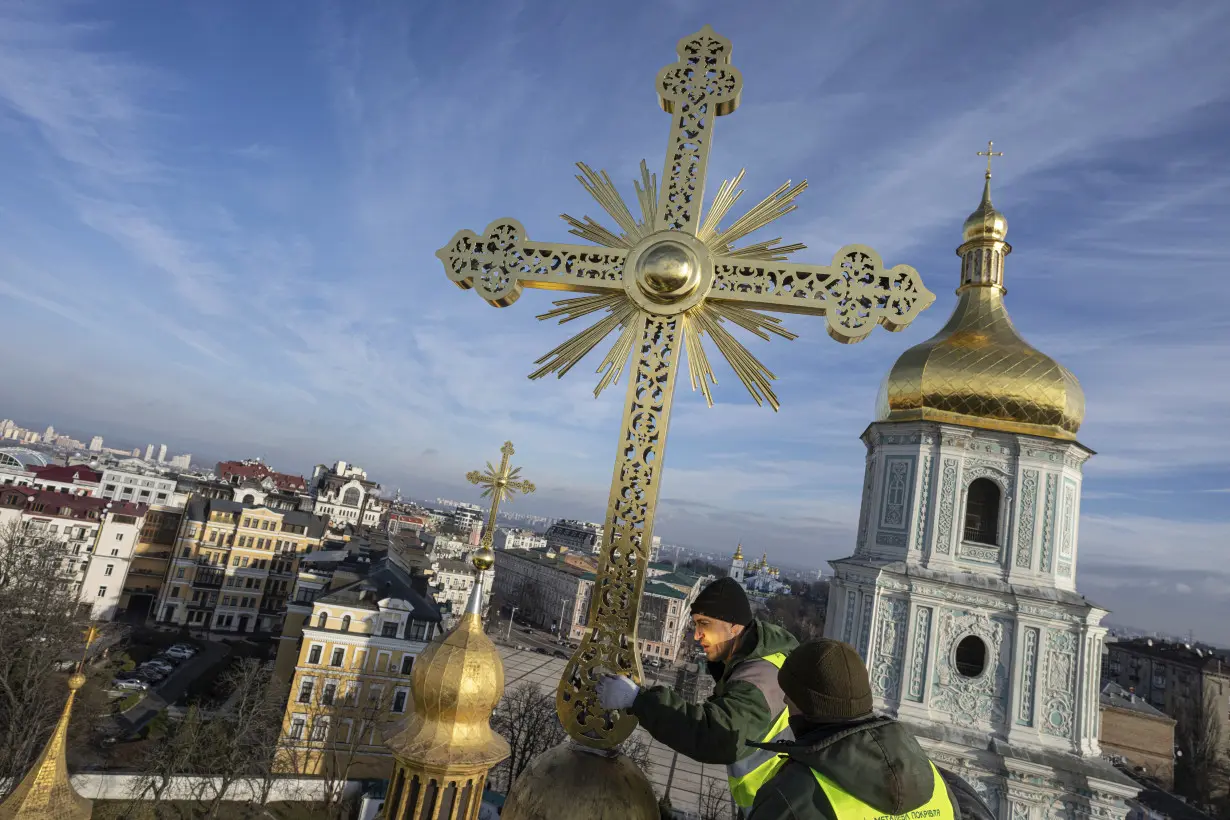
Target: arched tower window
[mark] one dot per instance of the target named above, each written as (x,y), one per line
(321,620)
(351,497)
(982,512)
(345,623)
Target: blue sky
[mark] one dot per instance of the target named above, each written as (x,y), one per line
(218,220)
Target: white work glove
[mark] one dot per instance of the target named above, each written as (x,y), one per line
(617,692)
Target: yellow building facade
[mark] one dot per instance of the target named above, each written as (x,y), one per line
(351,678)
(234,565)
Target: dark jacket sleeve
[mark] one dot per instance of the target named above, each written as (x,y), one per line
(709,732)
(966,802)
(791,795)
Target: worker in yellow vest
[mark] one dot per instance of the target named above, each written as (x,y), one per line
(844,763)
(744,655)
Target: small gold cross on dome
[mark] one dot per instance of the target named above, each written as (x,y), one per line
(988,154)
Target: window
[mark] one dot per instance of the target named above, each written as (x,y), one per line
(314,654)
(174,592)
(110,569)
(1159,680)
(102,592)
(115,552)
(389,629)
(344,732)
(399,700)
(407,664)
(320,728)
(352,693)
(339,655)
(351,497)
(419,630)
(297,724)
(305,691)
(321,620)
(345,623)
(327,694)
(982,512)
(971,656)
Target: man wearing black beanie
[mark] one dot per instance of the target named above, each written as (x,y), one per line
(747,703)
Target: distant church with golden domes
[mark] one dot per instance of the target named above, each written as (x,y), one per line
(961,593)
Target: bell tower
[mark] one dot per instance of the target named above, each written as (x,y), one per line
(961,592)
(736,565)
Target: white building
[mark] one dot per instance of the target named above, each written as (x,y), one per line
(508,538)
(96,444)
(98,537)
(575,536)
(149,453)
(181,462)
(142,487)
(961,593)
(74,479)
(452,581)
(162,453)
(345,496)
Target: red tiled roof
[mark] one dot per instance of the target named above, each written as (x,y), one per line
(256,471)
(54,503)
(67,475)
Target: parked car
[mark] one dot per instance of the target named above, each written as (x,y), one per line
(152,676)
(181,651)
(130,683)
(158,664)
(168,659)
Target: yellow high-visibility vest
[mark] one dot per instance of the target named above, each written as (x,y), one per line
(746,776)
(847,807)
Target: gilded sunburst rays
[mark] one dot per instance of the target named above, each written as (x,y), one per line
(706,318)
(500,485)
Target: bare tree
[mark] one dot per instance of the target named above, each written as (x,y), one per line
(1203,770)
(714,801)
(527,720)
(40,624)
(172,754)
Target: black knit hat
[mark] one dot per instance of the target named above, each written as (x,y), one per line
(827,680)
(724,600)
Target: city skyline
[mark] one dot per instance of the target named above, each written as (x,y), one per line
(257,231)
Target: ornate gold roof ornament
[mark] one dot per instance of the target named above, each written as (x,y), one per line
(978,371)
(46,792)
(662,283)
(498,485)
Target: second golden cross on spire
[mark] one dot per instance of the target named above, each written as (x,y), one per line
(498,485)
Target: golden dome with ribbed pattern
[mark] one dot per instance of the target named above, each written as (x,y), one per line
(978,371)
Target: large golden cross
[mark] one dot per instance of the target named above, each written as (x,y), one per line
(665,282)
(498,485)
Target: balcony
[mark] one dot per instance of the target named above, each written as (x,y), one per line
(208,578)
(153,573)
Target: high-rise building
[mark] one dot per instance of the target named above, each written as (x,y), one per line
(50,434)
(96,444)
(961,593)
(149,452)
(162,453)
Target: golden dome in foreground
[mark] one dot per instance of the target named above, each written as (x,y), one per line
(456,683)
(978,371)
(571,782)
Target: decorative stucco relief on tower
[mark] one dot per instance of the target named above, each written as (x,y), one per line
(864,515)
(1029,675)
(1025,519)
(1060,688)
(847,634)
(920,652)
(864,628)
(892,528)
(924,505)
(1048,521)
(1067,528)
(889,650)
(971,700)
(947,507)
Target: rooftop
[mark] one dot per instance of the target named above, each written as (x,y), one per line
(67,475)
(65,505)
(384,580)
(1217,661)
(1116,696)
(199,509)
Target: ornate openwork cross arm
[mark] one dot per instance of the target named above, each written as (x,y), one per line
(498,485)
(664,282)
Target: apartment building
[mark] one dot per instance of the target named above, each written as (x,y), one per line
(451,582)
(1136,734)
(234,565)
(150,560)
(238,472)
(542,585)
(98,538)
(574,536)
(141,487)
(509,538)
(351,678)
(75,479)
(1189,684)
(344,495)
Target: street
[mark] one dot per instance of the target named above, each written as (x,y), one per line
(157,699)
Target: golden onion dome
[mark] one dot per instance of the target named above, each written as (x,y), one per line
(985,222)
(978,371)
(456,683)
